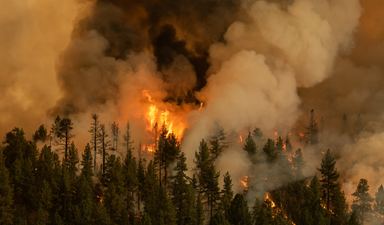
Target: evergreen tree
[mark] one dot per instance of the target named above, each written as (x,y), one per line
(104,143)
(210,189)
(65,134)
(200,216)
(258,136)
(115,135)
(73,160)
(6,194)
(238,212)
(329,176)
(312,129)
(354,219)
(219,219)
(141,182)
(378,205)
(86,162)
(84,197)
(250,146)
(315,203)
(41,134)
(298,164)
(127,138)
(226,193)
(271,151)
(179,189)
(100,215)
(219,137)
(171,152)
(216,149)
(94,131)
(56,220)
(358,126)
(14,146)
(42,217)
(339,206)
(190,207)
(146,220)
(130,179)
(288,144)
(362,202)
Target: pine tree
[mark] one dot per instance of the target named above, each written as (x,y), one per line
(179,189)
(130,179)
(84,195)
(41,134)
(145,220)
(339,206)
(86,162)
(210,189)
(171,152)
(94,131)
(200,216)
(14,145)
(362,202)
(288,144)
(315,203)
(6,194)
(298,164)
(115,135)
(238,212)
(354,219)
(358,125)
(378,205)
(65,134)
(141,182)
(250,146)
(104,143)
(190,207)
(258,136)
(73,160)
(219,136)
(329,176)
(226,193)
(127,138)
(271,151)
(219,219)
(312,129)
(100,215)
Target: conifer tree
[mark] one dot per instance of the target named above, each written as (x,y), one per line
(45,166)
(219,219)
(315,203)
(288,144)
(190,208)
(84,195)
(104,143)
(127,138)
(14,146)
(298,164)
(86,162)
(41,134)
(312,129)
(354,219)
(73,160)
(160,152)
(257,134)
(271,151)
(219,139)
(238,212)
(250,145)
(226,193)
(179,189)
(146,220)
(358,125)
(362,202)
(94,131)
(115,135)
(171,152)
(200,216)
(210,189)
(339,206)
(100,215)
(6,194)
(65,134)
(378,205)
(329,176)
(130,179)
(141,182)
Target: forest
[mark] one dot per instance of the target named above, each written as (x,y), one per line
(61,186)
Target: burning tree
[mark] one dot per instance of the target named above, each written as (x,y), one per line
(312,129)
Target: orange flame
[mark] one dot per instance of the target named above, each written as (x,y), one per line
(241,139)
(244,182)
(301,134)
(157,113)
(267,198)
(275,133)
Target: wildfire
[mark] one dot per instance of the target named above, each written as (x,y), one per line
(201,106)
(244,182)
(157,114)
(285,146)
(275,133)
(241,139)
(301,134)
(267,198)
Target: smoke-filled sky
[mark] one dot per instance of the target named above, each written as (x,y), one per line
(262,63)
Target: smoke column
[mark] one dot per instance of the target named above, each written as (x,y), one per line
(251,63)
